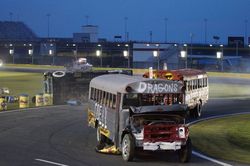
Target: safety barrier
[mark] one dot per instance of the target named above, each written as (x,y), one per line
(3,104)
(23,101)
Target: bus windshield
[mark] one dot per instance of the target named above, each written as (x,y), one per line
(137,100)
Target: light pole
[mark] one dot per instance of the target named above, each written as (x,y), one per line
(166,29)
(205,22)
(99,53)
(191,40)
(11,16)
(48,21)
(126,54)
(87,19)
(75,51)
(219,56)
(30,52)
(237,47)
(184,56)
(246,33)
(51,53)
(156,54)
(12,53)
(125,28)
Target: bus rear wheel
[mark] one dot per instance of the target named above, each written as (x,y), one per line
(101,140)
(128,147)
(196,112)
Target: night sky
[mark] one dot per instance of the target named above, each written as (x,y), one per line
(224,17)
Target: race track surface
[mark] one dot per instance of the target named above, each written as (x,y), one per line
(60,135)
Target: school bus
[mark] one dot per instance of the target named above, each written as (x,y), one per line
(131,112)
(195,87)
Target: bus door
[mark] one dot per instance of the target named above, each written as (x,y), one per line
(118,108)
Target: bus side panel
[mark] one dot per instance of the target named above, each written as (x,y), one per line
(104,118)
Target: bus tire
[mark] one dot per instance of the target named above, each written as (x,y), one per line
(197,111)
(128,147)
(185,152)
(101,140)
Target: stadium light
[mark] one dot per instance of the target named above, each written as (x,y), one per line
(155,53)
(99,54)
(184,56)
(30,52)
(125,53)
(50,52)
(219,55)
(11,51)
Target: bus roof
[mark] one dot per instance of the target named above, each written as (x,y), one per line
(189,72)
(179,74)
(114,83)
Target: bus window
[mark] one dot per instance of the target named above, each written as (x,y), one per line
(103,98)
(100,97)
(107,100)
(92,92)
(130,100)
(114,101)
(190,87)
(205,82)
(96,94)
(111,100)
(200,83)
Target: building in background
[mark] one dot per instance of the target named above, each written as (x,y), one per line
(18,44)
(89,34)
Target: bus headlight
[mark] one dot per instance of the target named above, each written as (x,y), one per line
(182,133)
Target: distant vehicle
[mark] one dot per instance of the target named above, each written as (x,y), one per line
(80,65)
(195,86)
(131,112)
(4,91)
(65,85)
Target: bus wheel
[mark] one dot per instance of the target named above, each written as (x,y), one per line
(101,140)
(128,147)
(197,110)
(185,152)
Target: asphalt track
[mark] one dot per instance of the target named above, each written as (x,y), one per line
(60,136)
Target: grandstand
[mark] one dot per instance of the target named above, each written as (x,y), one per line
(16,31)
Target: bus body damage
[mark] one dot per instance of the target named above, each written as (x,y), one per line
(137,113)
(160,129)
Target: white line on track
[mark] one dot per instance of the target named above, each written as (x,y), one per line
(209,118)
(50,162)
(210,159)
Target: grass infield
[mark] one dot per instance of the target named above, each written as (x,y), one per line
(21,83)
(226,138)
